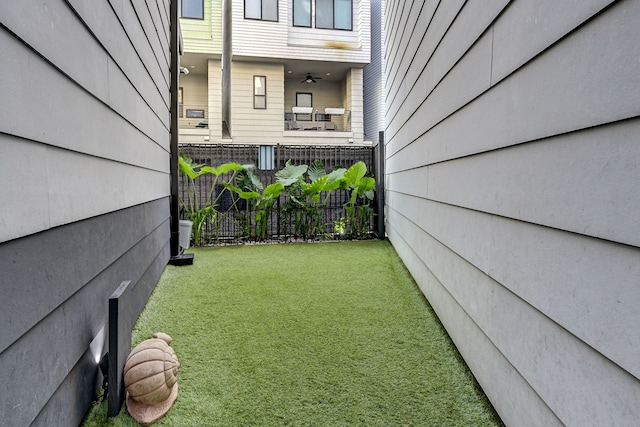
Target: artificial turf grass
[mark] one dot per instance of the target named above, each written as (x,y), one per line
(323,334)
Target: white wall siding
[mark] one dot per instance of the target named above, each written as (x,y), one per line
(286,41)
(512,167)
(250,125)
(373,96)
(204,35)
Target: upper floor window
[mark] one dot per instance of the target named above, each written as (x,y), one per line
(265,10)
(329,14)
(193,9)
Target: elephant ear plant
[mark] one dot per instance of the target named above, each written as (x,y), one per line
(263,198)
(306,202)
(199,211)
(358,208)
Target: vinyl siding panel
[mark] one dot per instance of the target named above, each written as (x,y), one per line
(256,126)
(84,156)
(512,162)
(204,35)
(286,41)
(373,78)
(194,97)
(330,95)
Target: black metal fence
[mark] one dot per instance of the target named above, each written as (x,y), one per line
(234,218)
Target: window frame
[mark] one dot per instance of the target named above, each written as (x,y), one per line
(261,11)
(192,17)
(333,17)
(257,96)
(310,16)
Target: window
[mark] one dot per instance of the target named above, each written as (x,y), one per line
(329,14)
(334,14)
(180,104)
(265,10)
(193,9)
(302,13)
(266,158)
(260,92)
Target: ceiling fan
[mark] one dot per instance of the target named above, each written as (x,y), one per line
(311,79)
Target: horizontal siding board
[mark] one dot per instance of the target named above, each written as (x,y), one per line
(469,79)
(511,395)
(24,196)
(537,345)
(531,26)
(84,125)
(466,32)
(429,36)
(119,186)
(105,24)
(514,196)
(564,275)
(288,42)
(600,56)
(599,169)
(397,85)
(140,42)
(58,27)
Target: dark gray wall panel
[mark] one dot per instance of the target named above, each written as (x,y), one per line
(41,263)
(42,358)
(75,395)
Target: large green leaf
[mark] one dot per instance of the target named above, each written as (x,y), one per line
(186,166)
(355,173)
(246,195)
(272,191)
(291,174)
(316,170)
(313,190)
(223,168)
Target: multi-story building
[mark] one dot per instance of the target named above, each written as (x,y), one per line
(274,71)
(200,91)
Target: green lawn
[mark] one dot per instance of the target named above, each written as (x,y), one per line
(324,334)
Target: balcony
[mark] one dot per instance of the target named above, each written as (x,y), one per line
(193,123)
(308,119)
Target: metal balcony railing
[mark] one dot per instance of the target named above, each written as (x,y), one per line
(331,120)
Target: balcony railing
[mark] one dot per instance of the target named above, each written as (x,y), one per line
(308,119)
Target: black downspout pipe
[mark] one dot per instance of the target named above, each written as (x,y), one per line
(380,187)
(177,258)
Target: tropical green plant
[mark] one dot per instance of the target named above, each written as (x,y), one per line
(249,187)
(306,204)
(200,211)
(358,209)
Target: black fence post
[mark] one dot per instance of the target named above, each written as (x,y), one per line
(380,178)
